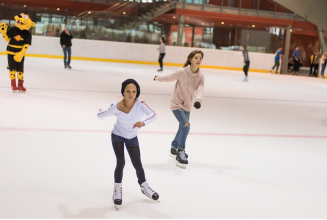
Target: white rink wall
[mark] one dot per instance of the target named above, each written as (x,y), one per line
(144,52)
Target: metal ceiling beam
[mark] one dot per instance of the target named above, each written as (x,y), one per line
(313,11)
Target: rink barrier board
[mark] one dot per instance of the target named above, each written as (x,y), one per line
(136,62)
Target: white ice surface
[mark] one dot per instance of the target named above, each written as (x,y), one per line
(257,149)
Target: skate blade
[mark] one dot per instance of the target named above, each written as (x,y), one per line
(172,156)
(117,207)
(158,200)
(180,165)
(21,91)
(14,91)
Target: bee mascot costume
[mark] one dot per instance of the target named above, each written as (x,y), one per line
(19,39)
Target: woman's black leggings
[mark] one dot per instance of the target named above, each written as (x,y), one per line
(162,55)
(135,155)
(246,68)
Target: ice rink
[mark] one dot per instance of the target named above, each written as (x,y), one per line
(257,149)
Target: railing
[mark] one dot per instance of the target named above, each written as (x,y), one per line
(126,12)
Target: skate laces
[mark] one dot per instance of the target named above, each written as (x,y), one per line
(182,155)
(118,191)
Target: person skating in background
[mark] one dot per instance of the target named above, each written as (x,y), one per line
(323,65)
(246,63)
(316,63)
(162,52)
(296,56)
(312,62)
(278,57)
(189,82)
(290,63)
(129,112)
(66,43)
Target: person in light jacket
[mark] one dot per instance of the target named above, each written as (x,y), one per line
(189,86)
(162,52)
(246,63)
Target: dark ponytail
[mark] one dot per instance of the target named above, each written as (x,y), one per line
(163,40)
(191,55)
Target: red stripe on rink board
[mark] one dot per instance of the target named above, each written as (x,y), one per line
(162,132)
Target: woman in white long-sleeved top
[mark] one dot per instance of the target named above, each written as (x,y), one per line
(162,51)
(129,113)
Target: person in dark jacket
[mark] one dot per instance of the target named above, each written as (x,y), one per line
(312,61)
(296,56)
(66,43)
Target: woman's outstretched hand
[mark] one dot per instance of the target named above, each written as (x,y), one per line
(138,125)
(154,78)
(100,111)
(197,105)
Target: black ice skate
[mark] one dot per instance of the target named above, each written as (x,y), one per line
(173,152)
(181,159)
(117,196)
(146,190)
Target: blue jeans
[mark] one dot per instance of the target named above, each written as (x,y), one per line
(67,51)
(183,117)
(323,67)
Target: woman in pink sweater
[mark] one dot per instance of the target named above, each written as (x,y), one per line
(189,83)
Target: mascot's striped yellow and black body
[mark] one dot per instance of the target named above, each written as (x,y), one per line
(19,39)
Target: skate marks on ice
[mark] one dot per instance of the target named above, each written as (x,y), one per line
(195,166)
(227,172)
(34,95)
(94,213)
(132,208)
(164,167)
(313,110)
(5,88)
